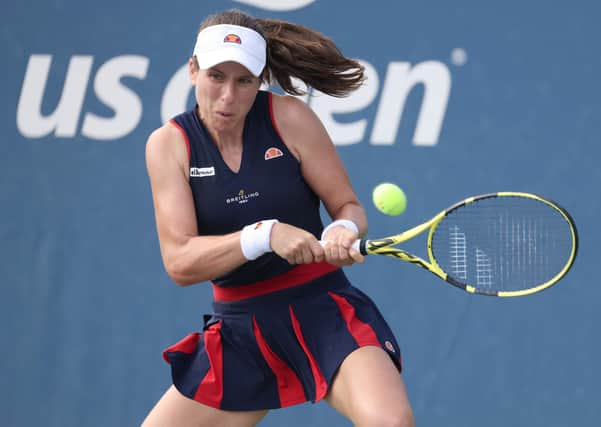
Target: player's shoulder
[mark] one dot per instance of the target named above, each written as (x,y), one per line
(292,114)
(162,135)
(290,107)
(166,141)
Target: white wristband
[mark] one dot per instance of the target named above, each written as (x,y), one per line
(346,223)
(254,239)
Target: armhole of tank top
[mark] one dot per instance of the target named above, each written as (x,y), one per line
(275,126)
(185,135)
(271,115)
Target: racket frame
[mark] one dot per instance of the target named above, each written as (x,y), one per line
(385,246)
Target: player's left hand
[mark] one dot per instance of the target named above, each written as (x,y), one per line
(338,247)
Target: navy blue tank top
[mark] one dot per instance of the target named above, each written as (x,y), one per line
(269,185)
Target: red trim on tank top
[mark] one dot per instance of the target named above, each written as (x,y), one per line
(299,275)
(174,123)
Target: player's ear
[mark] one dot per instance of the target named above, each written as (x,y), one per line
(193,69)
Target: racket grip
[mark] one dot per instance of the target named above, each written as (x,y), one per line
(356,245)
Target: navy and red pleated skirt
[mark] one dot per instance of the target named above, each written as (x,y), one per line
(277,346)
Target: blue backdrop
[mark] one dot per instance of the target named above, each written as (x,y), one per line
(463,97)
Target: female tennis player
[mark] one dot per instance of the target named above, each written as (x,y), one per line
(237,184)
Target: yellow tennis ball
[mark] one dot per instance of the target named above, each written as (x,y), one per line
(389,198)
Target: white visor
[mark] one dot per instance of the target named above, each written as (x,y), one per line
(222,43)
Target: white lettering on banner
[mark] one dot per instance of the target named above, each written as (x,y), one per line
(299,84)
(126,104)
(399,81)
(175,96)
(325,106)
(63,120)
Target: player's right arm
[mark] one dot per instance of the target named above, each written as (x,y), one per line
(188,257)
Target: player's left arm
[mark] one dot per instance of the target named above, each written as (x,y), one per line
(306,137)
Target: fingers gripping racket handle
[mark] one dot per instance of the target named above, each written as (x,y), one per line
(358,245)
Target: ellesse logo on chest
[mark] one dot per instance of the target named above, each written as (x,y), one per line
(272,153)
(202,172)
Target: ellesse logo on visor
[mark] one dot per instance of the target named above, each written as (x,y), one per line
(272,153)
(232,38)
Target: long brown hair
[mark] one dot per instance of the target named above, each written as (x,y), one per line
(300,52)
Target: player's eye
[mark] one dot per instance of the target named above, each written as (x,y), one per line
(213,75)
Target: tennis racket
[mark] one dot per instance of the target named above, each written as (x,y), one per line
(503,244)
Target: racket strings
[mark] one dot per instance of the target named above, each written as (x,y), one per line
(503,243)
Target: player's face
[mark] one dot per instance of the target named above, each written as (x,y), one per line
(225,94)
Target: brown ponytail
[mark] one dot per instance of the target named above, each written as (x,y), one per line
(297,51)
